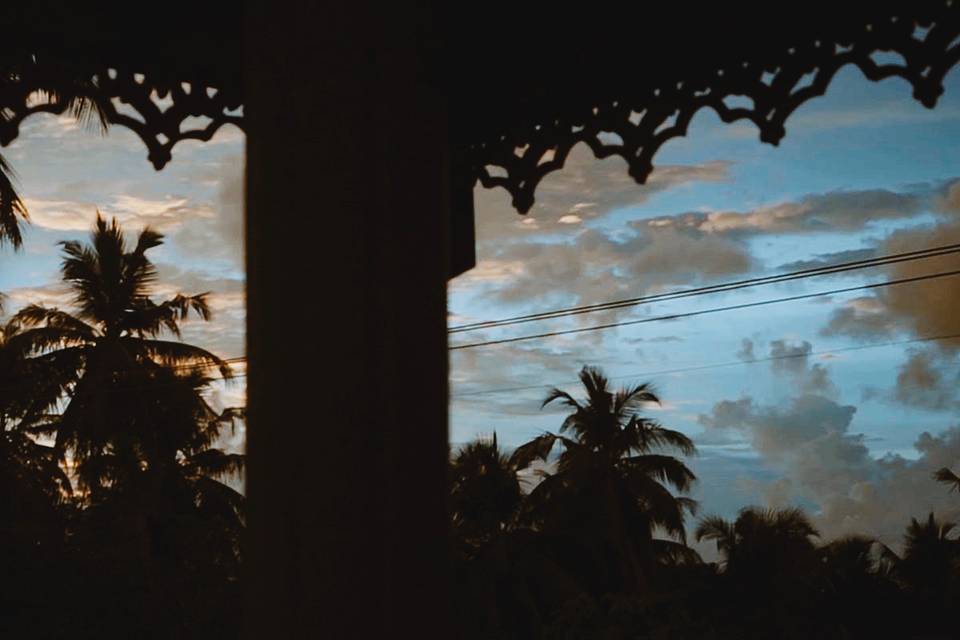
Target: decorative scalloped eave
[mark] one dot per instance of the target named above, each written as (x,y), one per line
(635,129)
(158,113)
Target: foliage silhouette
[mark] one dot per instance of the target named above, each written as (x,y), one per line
(551,562)
(609,492)
(151,527)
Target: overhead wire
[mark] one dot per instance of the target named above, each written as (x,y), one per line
(700,312)
(801,274)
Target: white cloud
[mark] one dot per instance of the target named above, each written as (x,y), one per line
(132,212)
(808,441)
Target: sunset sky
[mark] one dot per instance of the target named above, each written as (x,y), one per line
(65,173)
(850,431)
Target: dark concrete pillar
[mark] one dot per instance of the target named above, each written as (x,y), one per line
(347,203)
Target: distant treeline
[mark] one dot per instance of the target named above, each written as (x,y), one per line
(598,548)
(116,520)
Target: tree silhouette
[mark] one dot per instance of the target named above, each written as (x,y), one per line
(106,357)
(609,486)
(758,536)
(507,574)
(930,560)
(485,492)
(158,528)
(770,569)
(859,596)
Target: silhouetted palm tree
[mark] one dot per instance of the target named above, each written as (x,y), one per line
(505,572)
(930,570)
(859,594)
(771,570)
(25,465)
(609,484)
(106,357)
(485,492)
(930,555)
(158,526)
(758,536)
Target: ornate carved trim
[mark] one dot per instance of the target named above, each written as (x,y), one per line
(159,112)
(773,87)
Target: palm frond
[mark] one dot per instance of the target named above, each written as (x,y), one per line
(948,477)
(629,399)
(34,315)
(217,499)
(216,463)
(40,340)
(597,387)
(643,434)
(538,448)
(89,113)
(149,318)
(716,529)
(12,209)
(176,354)
(666,469)
(674,553)
(660,506)
(558,394)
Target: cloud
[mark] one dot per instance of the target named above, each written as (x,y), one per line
(808,443)
(586,188)
(829,259)
(862,318)
(745,352)
(51,295)
(224,335)
(836,211)
(219,235)
(921,309)
(878,114)
(132,212)
(922,382)
(930,307)
(595,266)
(790,358)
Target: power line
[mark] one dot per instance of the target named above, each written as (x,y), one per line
(690,314)
(645,374)
(717,288)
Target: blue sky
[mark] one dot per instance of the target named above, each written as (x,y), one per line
(851,435)
(65,174)
(865,169)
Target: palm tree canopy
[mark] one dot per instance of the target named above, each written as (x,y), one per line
(760,540)
(614,477)
(111,287)
(485,492)
(131,393)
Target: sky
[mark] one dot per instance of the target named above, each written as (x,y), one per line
(850,427)
(66,173)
